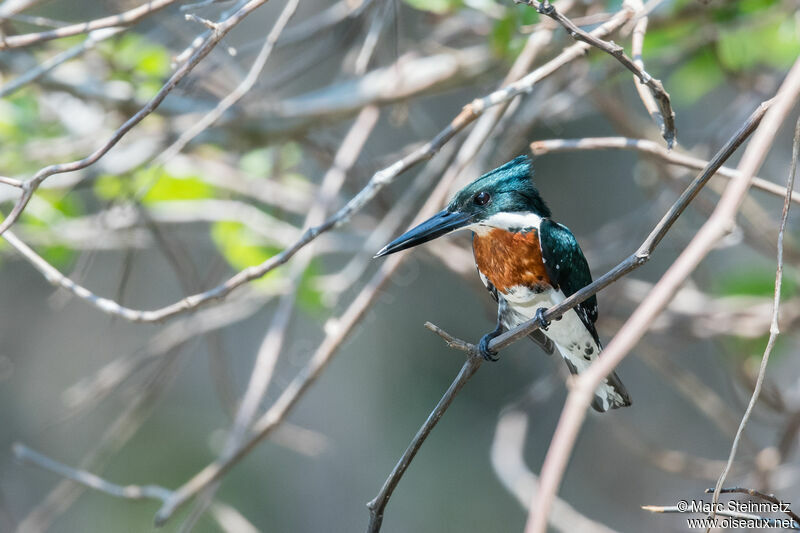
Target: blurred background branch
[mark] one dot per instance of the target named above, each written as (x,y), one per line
(245,161)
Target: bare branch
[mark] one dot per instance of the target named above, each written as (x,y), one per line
(30,186)
(224,514)
(649,147)
(122,19)
(240,90)
(752,492)
(380,179)
(655,86)
(774,330)
(718,224)
(87,479)
(637,45)
(472,364)
(48,65)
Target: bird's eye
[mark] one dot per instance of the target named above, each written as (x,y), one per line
(482,198)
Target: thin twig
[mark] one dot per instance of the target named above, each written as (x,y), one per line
(645,94)
(765,520)
(774,330)
(242,89)
(655,86)
(30,186)
(48,65)
(11,181)
(720,222)
(377,182)
(649,147)
(26,455)
(637,259)
(471,365)
(87,479)
(125,18)
(752,492)
(273,340)
(758,494)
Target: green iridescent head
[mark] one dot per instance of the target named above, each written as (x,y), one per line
(504,198)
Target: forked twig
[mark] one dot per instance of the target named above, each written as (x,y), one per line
(641,256)
(717,226)
(667,121)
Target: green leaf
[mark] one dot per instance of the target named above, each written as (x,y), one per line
(753,282)
(58,255)
(111,187)
(308,296)
(171,188)
(775,43)
(67,204)
(695,78)
(257,163)
(241,248)
(503,32)
(291,154)
(440,7)
(139,55)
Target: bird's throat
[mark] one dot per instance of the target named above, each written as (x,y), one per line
(509,259)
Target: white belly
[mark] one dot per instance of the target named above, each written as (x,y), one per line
(569,333)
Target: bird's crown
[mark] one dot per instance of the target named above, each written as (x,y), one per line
(506,189)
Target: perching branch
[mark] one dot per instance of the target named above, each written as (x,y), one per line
(721,221)
(471,365)
(641,256)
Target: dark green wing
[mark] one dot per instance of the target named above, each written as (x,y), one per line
(567,267)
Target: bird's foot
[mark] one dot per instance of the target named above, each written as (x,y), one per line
(483,345)
(542,320)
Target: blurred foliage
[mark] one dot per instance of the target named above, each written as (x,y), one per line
(694,47)
(724,41)
(242,249)
(22,122)
(138,60)
(758,283)
(753,283)
(440,7)
(506,39)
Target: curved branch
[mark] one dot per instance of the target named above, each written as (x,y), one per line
(378,181)
(716,227)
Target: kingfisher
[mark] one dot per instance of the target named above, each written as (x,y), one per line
(528,262)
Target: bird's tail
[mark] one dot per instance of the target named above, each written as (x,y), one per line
(611,394)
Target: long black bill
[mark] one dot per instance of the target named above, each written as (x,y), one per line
(439,224)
